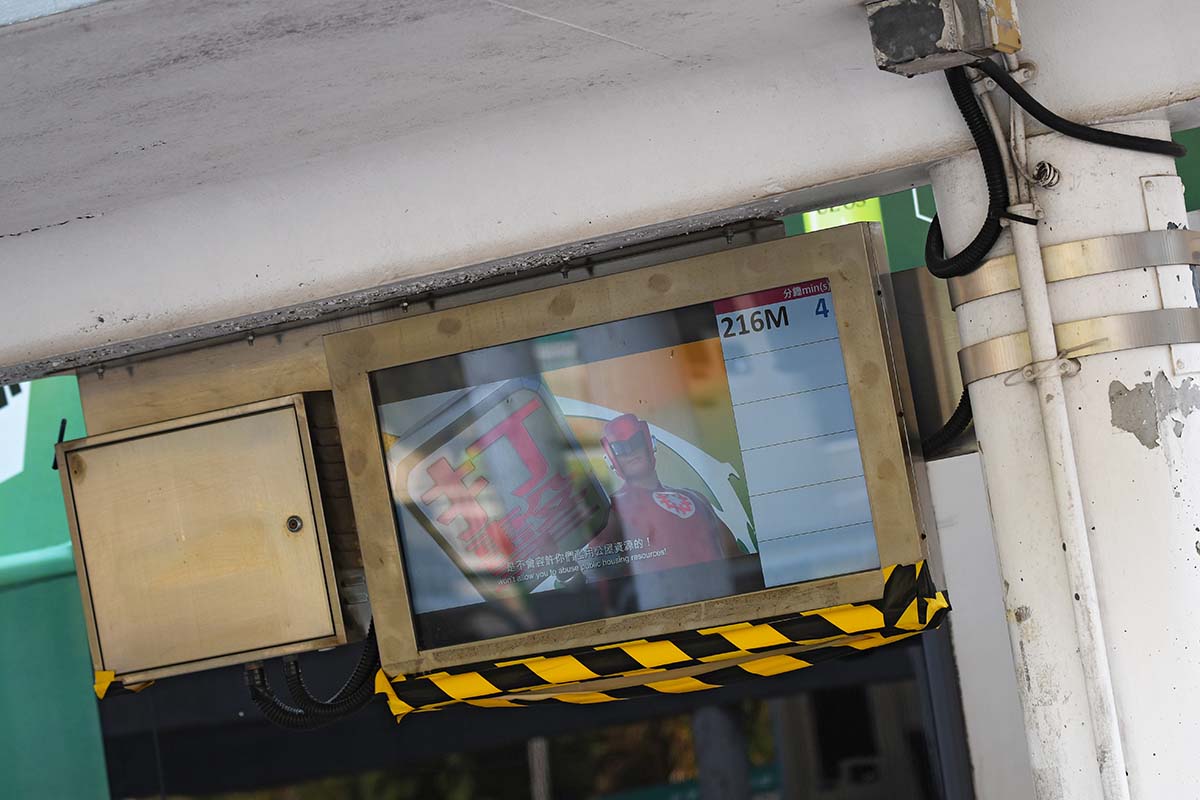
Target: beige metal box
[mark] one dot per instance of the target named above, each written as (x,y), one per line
(200,542)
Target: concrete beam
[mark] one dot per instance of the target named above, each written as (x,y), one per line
(307,156)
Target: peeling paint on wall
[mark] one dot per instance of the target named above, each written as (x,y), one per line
(1140,409)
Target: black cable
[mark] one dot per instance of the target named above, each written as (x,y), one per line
(941,265)
(967,261)
(310,712)
(286,716)
(368,665)
(332,709)
(355,692)
(273,709)
(364,671)
(937,442)
(1051,120)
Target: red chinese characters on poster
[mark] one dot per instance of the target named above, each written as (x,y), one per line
(500,480)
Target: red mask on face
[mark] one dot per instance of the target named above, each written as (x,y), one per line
(624,436)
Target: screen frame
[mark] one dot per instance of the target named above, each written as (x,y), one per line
(851,257)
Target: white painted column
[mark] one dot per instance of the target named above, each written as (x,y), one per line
(1137,451)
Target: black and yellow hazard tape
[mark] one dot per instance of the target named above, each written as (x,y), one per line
(682,662)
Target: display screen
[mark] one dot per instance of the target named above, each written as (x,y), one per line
(665,459)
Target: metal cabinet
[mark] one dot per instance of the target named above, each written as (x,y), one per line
(201,542)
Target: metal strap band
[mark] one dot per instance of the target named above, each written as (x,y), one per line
(1079,259)
(1085,337)
(997,356)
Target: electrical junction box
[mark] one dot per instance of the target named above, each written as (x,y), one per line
(913,37)
(200,542)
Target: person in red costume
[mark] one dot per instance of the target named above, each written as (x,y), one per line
(680,522)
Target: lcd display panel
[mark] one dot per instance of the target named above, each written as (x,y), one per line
(649,462)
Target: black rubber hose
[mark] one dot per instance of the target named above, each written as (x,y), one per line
(294,680)
(937,442)
(339,706)
(941,265)
(350,696)
(275,711)
(312,713)
(368,664)
(1051,120)
(333,709)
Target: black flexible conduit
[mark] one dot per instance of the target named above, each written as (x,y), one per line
(310,712)
(332,708)
(355,692)
(1051,120)
(273,709)
(936,443)
(941,265)
(967,261)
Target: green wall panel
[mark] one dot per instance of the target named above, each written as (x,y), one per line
(50,742)
(1189,166)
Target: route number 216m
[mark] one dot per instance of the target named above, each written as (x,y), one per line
(760,320)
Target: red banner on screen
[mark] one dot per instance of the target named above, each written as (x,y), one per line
(772,296)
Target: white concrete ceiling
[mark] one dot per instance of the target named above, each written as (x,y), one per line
(218,159)
(113,105)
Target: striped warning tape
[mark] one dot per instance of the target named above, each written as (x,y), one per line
(682,662)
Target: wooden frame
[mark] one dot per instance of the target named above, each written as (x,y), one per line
(849,257)
(66,454)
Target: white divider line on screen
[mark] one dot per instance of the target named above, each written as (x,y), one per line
(781,349)
(807,485)
(794,441)
(818,530)
(791,394)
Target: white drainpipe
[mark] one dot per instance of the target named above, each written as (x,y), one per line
(1046,371)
